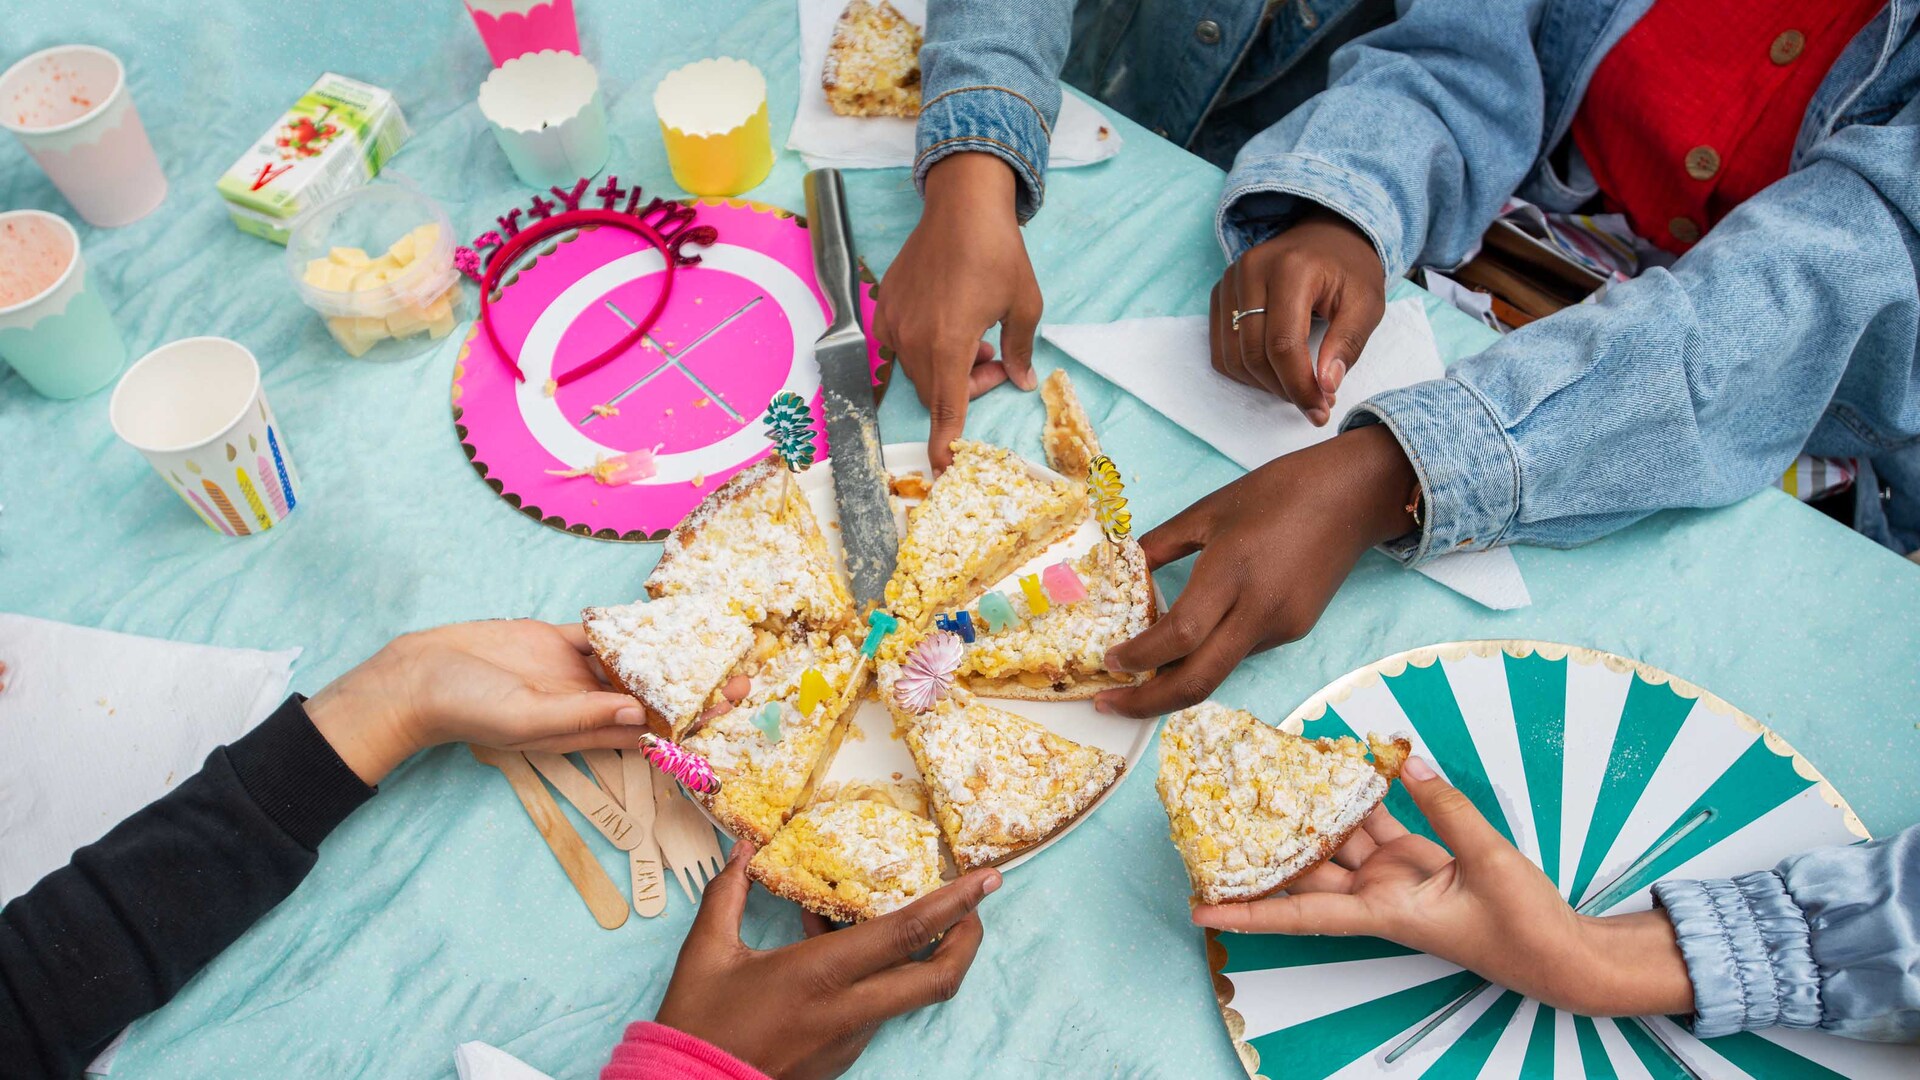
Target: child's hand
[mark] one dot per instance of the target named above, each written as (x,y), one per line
(1484,907)
(1274,547)
(513,684)
(1324,266)
(808,1009)
(962,270)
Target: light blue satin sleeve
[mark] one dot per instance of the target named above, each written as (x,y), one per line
(1829,939)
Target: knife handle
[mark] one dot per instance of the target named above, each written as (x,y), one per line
(832,235)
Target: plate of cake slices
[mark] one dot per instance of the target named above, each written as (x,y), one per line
(968,739)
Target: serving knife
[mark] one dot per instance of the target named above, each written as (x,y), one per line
(846,382)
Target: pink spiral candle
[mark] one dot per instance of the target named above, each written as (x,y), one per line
(683,765)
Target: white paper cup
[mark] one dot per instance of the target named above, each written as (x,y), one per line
(54,329)
(196,410)
(546,114)
(70,107)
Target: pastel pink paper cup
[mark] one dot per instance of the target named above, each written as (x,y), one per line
(196,410)
(70,107)
(511,28)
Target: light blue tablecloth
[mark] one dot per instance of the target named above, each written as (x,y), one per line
(435,915)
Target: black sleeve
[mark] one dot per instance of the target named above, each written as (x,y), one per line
(115,933)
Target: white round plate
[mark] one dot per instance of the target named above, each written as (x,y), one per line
(872,752)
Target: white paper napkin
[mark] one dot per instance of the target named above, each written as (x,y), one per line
(1165,363)
(824,138)
(483,1061)
(95,725)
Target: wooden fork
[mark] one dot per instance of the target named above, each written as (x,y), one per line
(686,837)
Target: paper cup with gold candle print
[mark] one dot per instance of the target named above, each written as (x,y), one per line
(713,116)
(196,409)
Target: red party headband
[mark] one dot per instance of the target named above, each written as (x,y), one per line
(665,225)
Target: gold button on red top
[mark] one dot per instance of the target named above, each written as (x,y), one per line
(1703,162)
(1684,230)
(1787,47)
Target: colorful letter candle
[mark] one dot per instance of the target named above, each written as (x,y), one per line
(1063,585)
(512,28)
(1036,599)
(196,410)
(546,114)
(70,107)
(957,623)
(55,329)
(997,612)
(713,116)
(813,691)
(879,625)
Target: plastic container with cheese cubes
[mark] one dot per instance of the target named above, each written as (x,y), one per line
(376,264)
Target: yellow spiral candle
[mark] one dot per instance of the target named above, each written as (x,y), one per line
(1109,507)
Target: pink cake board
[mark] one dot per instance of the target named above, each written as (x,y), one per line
(738,329)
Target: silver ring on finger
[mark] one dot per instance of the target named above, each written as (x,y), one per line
(1238,315)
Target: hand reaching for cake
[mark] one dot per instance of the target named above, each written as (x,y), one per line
(743,1000)
(1273,548)
(1485,907)
(963,269)
(515,684)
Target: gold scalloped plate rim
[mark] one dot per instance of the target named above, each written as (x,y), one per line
(1426,656)
(555,521)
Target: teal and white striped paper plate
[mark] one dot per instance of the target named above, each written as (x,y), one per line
(1607,773)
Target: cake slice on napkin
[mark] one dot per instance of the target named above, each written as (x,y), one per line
(873,62)
(985,516)
(763,748)
(671,654)
(1060,654)
(1252,808)
(1001,783)
(850,860)
(754,544)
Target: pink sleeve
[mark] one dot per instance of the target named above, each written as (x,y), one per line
(657,1052)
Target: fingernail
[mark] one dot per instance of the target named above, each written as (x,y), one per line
(631,714)
(992,882)
(1418,768)
(1336,370)
(1114,664)
(1100,705)
(1318,416)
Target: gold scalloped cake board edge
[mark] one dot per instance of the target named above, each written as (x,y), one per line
(1342,688)
(554,521)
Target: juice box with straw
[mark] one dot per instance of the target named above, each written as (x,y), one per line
(336,137)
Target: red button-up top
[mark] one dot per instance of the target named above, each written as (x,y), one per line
(1698,106)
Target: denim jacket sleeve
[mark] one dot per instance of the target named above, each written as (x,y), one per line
(1829,939)
(990,81)
(1692,386)
(1428,124)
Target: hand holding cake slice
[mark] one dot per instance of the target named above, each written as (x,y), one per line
(1001,783)
(984,517)
(850,860)
(1060,654)
(671,654)
(1252,808)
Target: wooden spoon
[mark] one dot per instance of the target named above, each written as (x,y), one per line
(589,878)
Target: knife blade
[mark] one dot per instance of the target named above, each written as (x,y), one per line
(846,382)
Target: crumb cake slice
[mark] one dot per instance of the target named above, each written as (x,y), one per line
(982,519)
(671,654)
(1068,437)
(754,543)
(1253,808)
(763,779)
(851,860)
(873,62)
(1001,783)
(1060,655)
